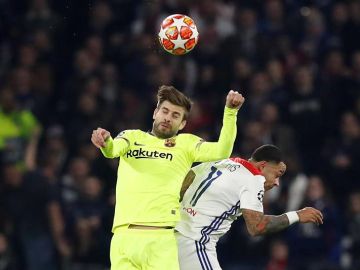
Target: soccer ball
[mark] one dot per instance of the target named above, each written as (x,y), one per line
(178,34)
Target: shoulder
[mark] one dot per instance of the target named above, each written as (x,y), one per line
(189,139)
(259,179)
(188,136)
(253,179)
(129,133)
(241,175)
(254,183)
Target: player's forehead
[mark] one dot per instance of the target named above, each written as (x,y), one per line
(167,105)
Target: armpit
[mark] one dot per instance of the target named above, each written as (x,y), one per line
(189,178)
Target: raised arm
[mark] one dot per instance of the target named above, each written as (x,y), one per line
(258,224)
(209,151)
(32,148)
(110,147)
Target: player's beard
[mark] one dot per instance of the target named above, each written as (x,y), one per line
(162,132)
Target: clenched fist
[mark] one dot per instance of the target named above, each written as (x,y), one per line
(99,137)
(234,100)
(309,214)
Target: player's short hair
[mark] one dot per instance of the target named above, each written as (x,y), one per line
(267,152)
(171,94)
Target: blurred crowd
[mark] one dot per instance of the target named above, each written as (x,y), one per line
(68,67)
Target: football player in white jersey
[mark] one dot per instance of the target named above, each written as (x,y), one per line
(224,190)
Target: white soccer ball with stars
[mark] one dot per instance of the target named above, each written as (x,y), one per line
(178,34)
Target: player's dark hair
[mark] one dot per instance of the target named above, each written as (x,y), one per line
(267,152)
(171,94)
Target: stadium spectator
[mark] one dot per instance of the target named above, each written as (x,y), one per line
(351,242)
(305,114)
(316,247)
(33,212)
(72,181)
(91,241)
(17,127)
(279,256)
(341,162)
(7,260)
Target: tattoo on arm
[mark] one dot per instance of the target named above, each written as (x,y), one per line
(189,178)
(257,223)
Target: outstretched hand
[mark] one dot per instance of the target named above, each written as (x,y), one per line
(310,214)
(99,137)
(234,100)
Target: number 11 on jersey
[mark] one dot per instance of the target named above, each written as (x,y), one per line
(214,174)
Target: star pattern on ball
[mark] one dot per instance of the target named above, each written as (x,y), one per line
(178,34)
(179,42)
(162,33)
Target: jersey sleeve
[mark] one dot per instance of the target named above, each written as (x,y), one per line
(252,196)
(117,147)
(209,151)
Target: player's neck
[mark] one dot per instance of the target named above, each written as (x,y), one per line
(254,163)
(159,136)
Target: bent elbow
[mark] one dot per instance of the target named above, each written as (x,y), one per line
(255,233)
(252,233)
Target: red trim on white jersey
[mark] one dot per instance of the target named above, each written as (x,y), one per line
(247,165)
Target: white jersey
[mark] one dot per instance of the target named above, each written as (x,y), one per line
(214,199)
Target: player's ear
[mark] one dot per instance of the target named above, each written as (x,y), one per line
(262,165)
(155,112)
(182,125)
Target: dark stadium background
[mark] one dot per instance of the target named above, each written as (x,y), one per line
(67,67)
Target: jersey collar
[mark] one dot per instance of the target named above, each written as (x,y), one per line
(152,134)
(247,165)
